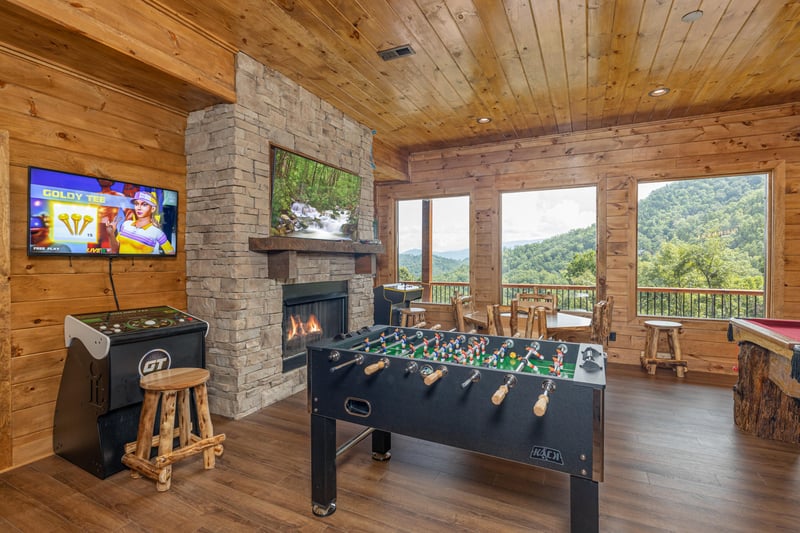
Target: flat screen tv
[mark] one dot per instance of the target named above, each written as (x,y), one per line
(75,215)
(312,200)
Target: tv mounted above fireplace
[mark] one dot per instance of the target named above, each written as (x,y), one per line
(312,200)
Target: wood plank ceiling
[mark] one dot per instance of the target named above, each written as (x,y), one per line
(534,67)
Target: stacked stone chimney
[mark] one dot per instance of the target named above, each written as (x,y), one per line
(228,201)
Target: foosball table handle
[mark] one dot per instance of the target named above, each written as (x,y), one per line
(433,377)
(376,367)
(541,405)
(500,394)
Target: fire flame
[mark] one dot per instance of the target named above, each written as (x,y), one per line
(299,328)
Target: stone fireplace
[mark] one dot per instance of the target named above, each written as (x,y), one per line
(237,274)
(311,312)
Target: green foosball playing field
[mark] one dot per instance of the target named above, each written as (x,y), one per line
(513,355)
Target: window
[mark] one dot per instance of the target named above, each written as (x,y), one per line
(702,247)
(433,245)
(549,240)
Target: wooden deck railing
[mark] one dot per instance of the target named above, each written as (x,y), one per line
(700,303)
(651,301)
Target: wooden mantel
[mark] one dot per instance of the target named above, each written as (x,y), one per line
(286,244)
(282,253)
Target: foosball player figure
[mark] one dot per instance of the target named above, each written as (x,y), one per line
(558,363)
(403,342)
(534,350)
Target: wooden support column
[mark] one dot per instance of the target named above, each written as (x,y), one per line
(5,307)
(427,248)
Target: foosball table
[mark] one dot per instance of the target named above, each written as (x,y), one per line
(536,402)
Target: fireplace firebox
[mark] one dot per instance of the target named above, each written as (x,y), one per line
(311,312)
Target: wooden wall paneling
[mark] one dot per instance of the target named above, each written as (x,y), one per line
(138,45)
(32,432)
(386,216)
(72,124)
(48,287)
(32,446)
(6,445)
(35,340)
(38,366)
(32,393)
(390,164)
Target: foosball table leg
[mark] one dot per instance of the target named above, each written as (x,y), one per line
(584,507)
(323,465)
(381,444)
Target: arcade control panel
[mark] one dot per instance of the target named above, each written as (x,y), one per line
(97,331)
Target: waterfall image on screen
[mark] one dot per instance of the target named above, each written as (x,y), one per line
(312,200)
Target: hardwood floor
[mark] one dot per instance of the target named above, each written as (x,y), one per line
(674,461)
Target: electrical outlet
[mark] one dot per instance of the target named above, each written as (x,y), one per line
(612,336)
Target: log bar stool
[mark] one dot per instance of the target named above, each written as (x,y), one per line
(171,385)
(650,359)
(411,316)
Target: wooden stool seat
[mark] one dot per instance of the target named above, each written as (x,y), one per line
(411,316)
(171,386)
(650,359)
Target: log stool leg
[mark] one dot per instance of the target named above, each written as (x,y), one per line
(165,433)
(652,349)
(184,417)
(147,422)
(675,350)
(206,428)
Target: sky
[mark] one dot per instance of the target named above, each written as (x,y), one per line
(526,216)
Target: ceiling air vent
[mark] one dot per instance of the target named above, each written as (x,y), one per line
(396,52)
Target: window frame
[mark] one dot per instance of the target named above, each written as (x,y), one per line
(774,224)
(427,234)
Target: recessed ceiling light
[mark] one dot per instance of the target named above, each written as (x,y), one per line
(661,91)
(691,16)
(483,120)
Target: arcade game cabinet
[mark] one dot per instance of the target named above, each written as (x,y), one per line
(390,298)
(99,401)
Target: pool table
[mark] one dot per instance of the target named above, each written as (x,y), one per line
(765,396)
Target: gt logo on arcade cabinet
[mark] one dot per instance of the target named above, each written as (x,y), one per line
(153,361)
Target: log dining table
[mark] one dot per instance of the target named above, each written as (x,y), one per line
(557,323)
